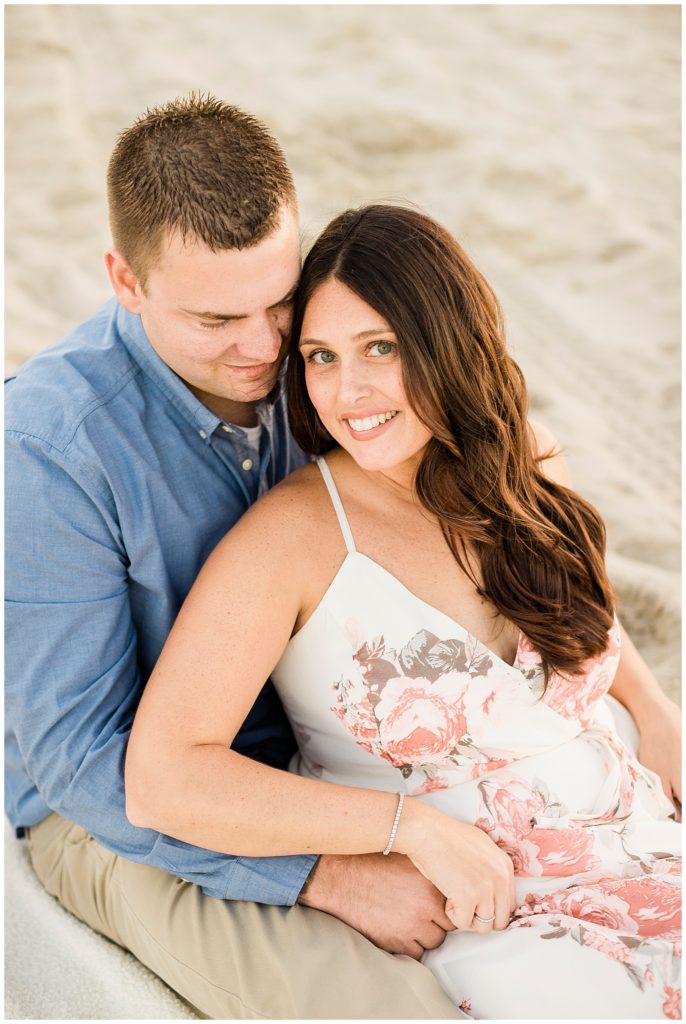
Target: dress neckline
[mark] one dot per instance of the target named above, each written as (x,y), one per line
(355,554)
(352,552)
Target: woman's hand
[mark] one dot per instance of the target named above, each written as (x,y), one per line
(660,746)
(475,875)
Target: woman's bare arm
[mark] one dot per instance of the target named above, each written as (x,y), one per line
(181,777)
(658,718)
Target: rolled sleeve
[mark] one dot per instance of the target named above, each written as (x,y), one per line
(279,882)
(274,880)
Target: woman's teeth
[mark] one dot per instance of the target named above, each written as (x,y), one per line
(371,421)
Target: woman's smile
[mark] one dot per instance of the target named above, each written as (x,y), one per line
(364,427)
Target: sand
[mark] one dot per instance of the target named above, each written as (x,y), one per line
(546,138)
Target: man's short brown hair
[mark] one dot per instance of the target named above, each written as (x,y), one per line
(200,167)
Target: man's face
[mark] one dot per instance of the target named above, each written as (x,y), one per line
(220,320)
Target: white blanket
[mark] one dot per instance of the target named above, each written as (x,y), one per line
(56,968)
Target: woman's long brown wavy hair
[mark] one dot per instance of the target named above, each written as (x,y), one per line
(540,547)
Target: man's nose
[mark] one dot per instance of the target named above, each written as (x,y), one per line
(262,340)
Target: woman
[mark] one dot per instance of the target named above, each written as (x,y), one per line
(432,603)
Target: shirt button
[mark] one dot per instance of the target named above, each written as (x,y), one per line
(202,434)
(227,428)
(246,464)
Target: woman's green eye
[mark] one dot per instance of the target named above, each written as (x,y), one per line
(383,348)
(321,356)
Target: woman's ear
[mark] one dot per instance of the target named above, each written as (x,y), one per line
(124,282)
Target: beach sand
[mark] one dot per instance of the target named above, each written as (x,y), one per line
(546,138)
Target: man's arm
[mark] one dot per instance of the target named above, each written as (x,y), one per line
(72,679)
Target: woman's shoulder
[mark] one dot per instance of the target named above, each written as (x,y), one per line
(301,492)
(290,510)
(548,451)
(277,538)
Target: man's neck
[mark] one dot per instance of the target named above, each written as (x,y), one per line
(243,414)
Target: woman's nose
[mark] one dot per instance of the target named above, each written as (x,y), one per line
(353,385)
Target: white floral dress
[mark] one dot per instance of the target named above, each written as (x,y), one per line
(386,692)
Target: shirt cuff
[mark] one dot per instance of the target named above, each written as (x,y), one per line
(274,880)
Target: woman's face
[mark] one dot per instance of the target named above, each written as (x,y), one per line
(354,379)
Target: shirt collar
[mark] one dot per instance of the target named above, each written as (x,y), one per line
(132,333)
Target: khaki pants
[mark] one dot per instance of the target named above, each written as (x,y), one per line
(231,959)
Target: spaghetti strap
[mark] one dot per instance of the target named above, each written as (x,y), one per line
(337,503)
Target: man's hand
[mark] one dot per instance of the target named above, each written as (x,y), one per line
(385,898)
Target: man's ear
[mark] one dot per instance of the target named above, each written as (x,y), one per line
(123,280)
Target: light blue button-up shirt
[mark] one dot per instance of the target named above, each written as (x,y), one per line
(119,483)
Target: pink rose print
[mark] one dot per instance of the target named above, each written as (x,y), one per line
(465,1005)
(418,721)
(672,1004)
(575,696)
(670,866)
(513,805)
(606,944)
(363,712)
(565,851)
(596,682)
(430,784)
(640,906)
(407,707)
(627,787)
(654,904)
(584,903)
(362,723)
(589,903)
(546,851)
(528,657)
(486,767)
(356,711)
(486,706)
(563,695)
(524,855)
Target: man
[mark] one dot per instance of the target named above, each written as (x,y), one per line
(132,446)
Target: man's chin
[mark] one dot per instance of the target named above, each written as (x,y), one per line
(225,401)
(255,391)
(264,390)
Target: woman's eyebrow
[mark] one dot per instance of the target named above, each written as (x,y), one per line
(371,333)
(373,330)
